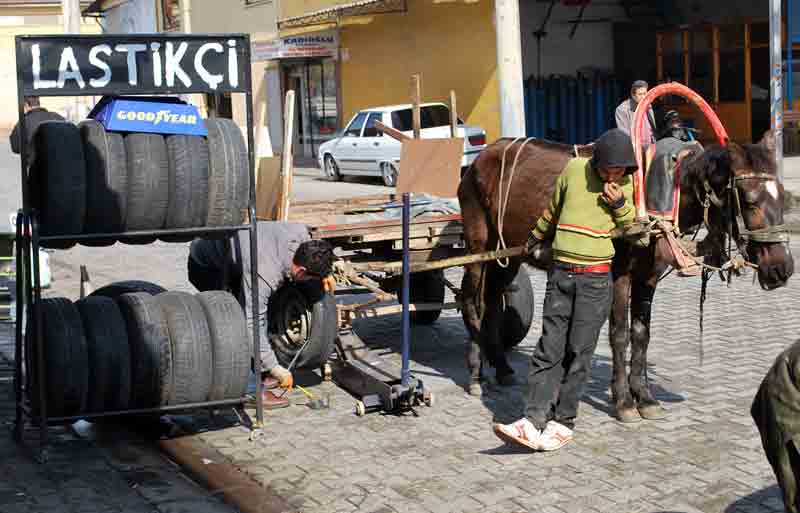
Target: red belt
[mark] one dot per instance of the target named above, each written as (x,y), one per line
(599,268)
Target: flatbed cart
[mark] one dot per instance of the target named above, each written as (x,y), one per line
(371,263)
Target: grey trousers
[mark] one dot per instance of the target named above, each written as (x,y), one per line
(576,305)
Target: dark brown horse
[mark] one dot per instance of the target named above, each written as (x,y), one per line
(749,169)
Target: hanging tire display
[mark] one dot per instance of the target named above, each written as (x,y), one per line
(188,162)
(148,184)
(300,314)
(192,366)
(229,173)
(106,181)
(230,345)
(150,348)
(109,355)
(58,174)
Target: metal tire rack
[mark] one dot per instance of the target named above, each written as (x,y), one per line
(28,239)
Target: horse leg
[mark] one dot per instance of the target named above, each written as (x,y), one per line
(619,337)
(641,306)
(497,281)
(472,309)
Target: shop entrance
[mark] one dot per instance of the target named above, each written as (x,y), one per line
(316,110)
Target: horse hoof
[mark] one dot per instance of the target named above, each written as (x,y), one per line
(652,411)
(628,415)
(475,389)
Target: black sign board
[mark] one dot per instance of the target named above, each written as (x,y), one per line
(133,64)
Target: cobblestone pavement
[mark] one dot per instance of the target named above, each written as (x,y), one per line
(705,457)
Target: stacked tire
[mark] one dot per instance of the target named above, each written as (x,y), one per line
(90,181)
(133,345)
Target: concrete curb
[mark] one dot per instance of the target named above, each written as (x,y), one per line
(215,472)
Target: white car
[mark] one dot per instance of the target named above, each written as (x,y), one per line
(361,150)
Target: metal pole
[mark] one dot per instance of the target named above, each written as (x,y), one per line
(405,375)
(776,89)
(509,68)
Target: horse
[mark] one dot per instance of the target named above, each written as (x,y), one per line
(714,183)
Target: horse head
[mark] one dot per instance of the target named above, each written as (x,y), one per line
(740,184)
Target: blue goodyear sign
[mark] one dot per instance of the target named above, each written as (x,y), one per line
(153,117)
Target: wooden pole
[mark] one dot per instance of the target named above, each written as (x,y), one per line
(262,115)
(416,95)
(453,115)
(286,163)
(391,132)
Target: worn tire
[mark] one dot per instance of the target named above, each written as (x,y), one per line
(66,359)
(150,348)
(59,181)
(300,313)
(188,184)
(230,345)
(517,314)
(191,347)
(106,181)
(116,289)
(427,287)
(148,184)
(229,173)
(109,355)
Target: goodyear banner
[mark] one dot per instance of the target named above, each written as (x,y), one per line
(153,117)
(132,64)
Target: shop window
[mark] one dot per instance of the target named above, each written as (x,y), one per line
(759,34)
(731,37)
(731,76)
(354,129)
(171,15)
(701,68)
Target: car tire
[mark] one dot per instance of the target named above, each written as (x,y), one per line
(66,359)
(59,181)
(301,313)
(389,173)
(106,181)
(230,345)
(109,355)
(151,350)
(427,287)
(148,184)
(332,169)
(116,289)
(192,366)
(517,315)
(229,173)
(188,184)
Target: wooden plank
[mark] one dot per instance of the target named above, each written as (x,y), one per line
(391,132)
(416,99)
(373,226)
(286,169)
(453,115)
(715,50)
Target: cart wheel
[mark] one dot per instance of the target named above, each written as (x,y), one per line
(361,408)
(327,372)
(429,399)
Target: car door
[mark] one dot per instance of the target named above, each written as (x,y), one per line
(346,153)
(370,147)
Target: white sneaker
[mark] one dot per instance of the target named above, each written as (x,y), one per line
(555,436)
(521,432)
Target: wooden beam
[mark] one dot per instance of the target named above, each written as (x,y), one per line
(287,163)
(453,115)
(392,132)
(715,50)
(416,98)
(748,88)
(660,57)
(686,62)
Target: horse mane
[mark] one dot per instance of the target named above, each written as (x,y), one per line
(713,163)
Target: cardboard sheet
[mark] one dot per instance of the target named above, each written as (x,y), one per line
(431,166)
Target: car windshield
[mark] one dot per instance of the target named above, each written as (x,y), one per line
(432,116)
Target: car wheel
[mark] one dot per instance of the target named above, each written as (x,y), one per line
(332,169)
(389,174)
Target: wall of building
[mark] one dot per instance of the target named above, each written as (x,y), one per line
(15,22)
(591,47)
(132,17)
(291,8)
(454,48)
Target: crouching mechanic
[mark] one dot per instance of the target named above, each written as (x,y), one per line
(588,203)
(285,253)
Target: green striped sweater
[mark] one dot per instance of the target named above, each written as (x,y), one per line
(579,218)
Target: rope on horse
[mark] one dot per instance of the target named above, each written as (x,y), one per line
(502,204)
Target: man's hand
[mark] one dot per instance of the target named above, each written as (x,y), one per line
(329,284)
(532,244)
(538,252)
(612,195)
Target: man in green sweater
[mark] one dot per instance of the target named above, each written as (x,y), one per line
(588,203)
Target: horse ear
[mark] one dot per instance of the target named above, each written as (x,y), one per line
(768,141)
(737,155)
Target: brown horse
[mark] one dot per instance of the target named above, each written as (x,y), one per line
(749,169)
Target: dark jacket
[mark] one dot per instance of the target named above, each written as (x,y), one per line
(33,119)
(776,412)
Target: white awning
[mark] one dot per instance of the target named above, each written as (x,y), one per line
(334,14)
